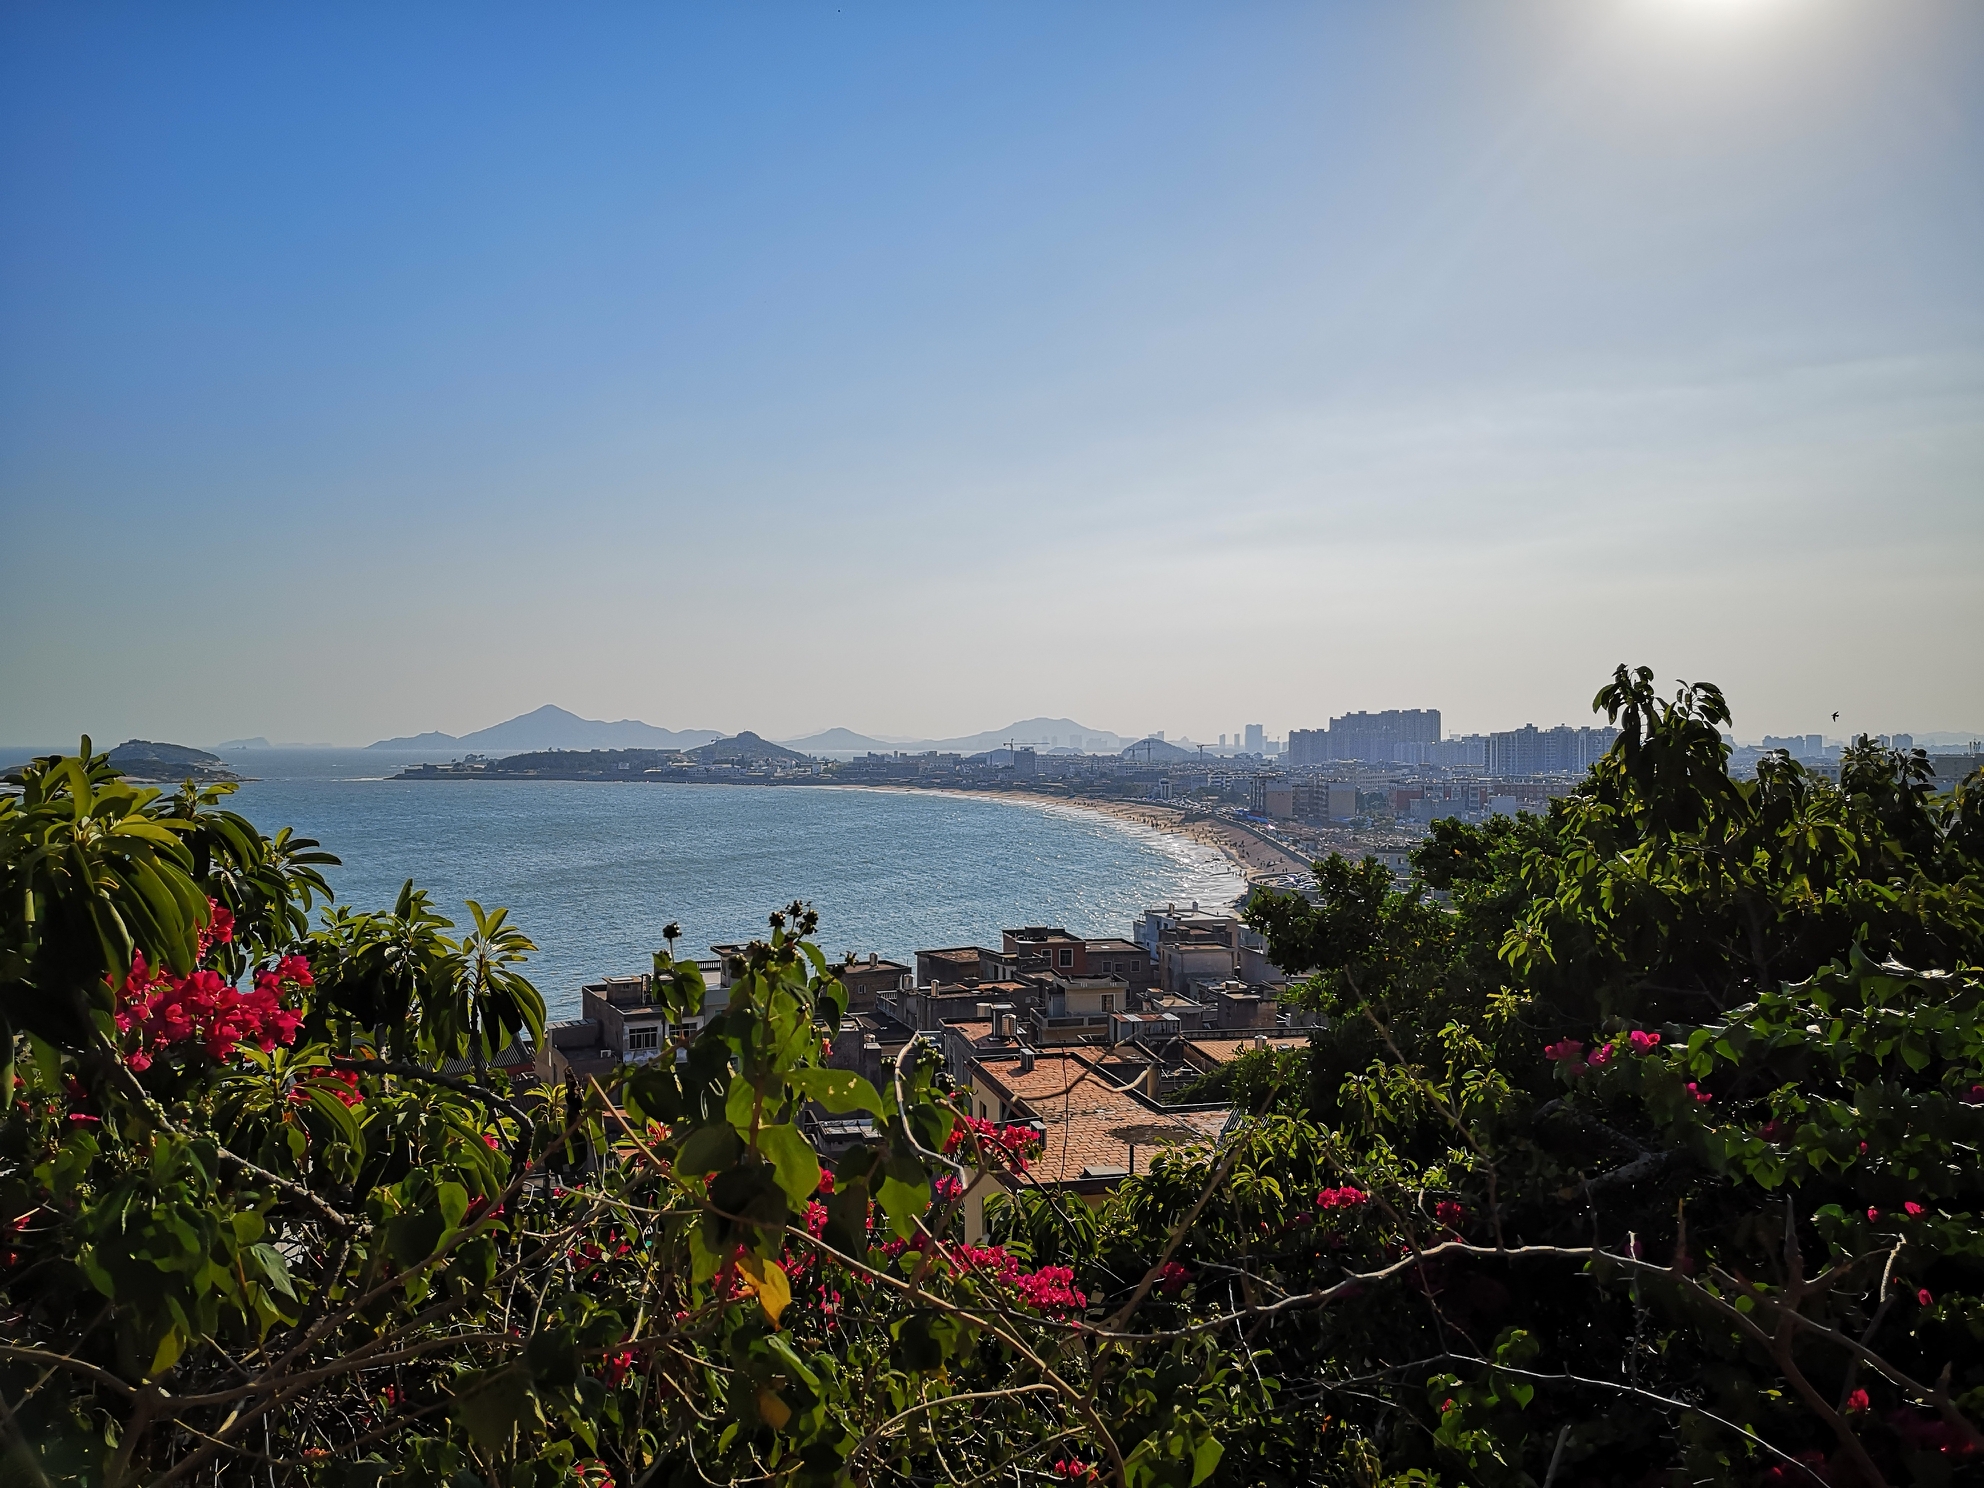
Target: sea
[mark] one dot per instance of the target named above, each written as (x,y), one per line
(593,871)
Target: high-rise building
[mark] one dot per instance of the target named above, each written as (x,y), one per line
(1393,736)
(1373,737)
(1256,733)
(1559,751)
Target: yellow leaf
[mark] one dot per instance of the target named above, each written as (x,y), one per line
(774,1411)
(169,1349)
(766,1279)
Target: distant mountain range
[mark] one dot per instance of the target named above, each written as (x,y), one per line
(841,741)
(554,728)
(1038,733)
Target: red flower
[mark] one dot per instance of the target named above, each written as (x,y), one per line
(1912,1209)
(1052,1289)
(1924,1298)
(615,1367)
(219,929)
(1643,1042)
(166,1010)
(1873,1215)
(1856,1402)
(1171,1280)
(1565,1051)
(1341,1198)
(1012,1143)
(1450,1213)
(1702,1097)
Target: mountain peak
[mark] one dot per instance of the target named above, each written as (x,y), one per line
(553,727)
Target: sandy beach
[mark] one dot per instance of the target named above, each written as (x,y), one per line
(1254,855)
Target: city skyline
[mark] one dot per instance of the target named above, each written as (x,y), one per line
(367,372)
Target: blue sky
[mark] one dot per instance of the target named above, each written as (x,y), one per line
(366,370)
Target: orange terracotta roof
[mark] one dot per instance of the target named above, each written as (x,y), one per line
(1226,1050)
(1090,1124)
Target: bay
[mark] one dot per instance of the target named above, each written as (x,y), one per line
(592,871)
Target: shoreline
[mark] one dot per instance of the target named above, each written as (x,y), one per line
(1254,857)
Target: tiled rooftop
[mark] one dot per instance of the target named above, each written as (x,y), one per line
(1213,1051)
(1090,1124)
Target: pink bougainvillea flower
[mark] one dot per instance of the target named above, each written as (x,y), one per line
(1924,1298)
(1912,1209)
(201,1008)
(1873,1215)
(1702,1097)
(1565,1051)
(1856,1402)
(1642,1041)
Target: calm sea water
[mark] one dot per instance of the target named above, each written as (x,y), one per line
(593,871)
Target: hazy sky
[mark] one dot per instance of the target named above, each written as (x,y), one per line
(916,368)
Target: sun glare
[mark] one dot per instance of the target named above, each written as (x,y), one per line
(1718,12)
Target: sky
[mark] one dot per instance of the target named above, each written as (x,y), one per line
(373,369)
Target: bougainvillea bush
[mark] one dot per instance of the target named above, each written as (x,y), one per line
(1635,1143)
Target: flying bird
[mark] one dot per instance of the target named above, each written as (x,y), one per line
(1835,718)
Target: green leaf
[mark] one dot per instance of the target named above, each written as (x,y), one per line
(1205,1457)
(493,1405)
(454,1203)
(739,1103)
(268,1260)
(840,1091)
(412,1238)
(709,1148)
(904,1202)
(553,1358)
(847,1219)
(793,1159)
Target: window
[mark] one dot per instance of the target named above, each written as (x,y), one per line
(644,1036)
(1109,1002)
(1067,955)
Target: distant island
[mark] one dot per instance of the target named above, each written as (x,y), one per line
(744,753)
(150,762)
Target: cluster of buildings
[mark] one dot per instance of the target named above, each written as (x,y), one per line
(1086,1039)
